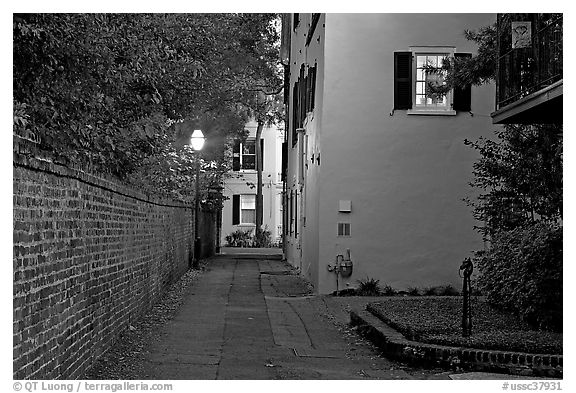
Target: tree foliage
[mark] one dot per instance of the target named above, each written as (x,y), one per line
(109,90)
(519,182)
(519,176)
(475,70)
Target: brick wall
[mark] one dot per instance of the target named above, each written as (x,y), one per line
(90,256)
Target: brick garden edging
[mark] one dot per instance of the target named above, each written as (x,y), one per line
(396,346)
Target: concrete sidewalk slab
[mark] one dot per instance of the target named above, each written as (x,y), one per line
(252,253)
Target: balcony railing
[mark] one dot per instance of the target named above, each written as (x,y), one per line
(523,71)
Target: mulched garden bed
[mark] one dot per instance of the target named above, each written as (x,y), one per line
(437,320)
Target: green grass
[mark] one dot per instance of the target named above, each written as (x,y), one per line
(437,320)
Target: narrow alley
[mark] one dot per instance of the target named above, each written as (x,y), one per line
(249,317)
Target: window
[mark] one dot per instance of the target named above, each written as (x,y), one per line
(313,23)
(430,84)
(303,97)
(247,209)
(419,84)
(344,229)
(244,155)
(243,209)
(248,154)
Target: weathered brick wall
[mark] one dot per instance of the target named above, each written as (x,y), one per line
(90,256)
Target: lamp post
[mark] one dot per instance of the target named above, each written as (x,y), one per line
(197,141)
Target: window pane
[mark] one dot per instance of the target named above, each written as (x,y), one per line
(249,162)
(420,87)
(420,61)
(249,147)
(420,74)
(248,217)
(432,61)
(441,61)
(248,202)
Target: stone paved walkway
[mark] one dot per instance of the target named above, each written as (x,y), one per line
(250,318)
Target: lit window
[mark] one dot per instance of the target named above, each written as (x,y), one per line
(430,84)
(244,155)
(419,82)
(248,154)
(248,209)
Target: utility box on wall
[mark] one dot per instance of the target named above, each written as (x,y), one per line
(344,206)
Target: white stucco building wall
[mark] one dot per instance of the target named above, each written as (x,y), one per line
(405,174)
(243,182)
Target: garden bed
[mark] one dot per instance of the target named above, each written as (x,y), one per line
(437,320)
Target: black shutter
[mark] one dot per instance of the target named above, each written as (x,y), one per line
(313,87)
(295,112)
(302,94)
(284,160)
(296,214)
(402,80)
(262,153)
(235,209)
(236,156)
(291,212)
(462,94)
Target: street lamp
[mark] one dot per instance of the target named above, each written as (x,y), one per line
(197,141)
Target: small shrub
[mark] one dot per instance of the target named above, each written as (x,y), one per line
(388,291)
(239,238)
(447,290)
(413,291)
(429,291)
(522,272)
(345,292)
(368,287)
(264,239)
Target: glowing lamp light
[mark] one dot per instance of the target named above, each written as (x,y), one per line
(197,140)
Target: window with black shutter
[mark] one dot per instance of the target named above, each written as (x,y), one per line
(462,94)
(295,213)
(235,209)
(313,23)
(284,160)
(312,86)
(291,205)
(244,155)
(302,98)
(236,156)
(296,20)
(295,111)
(402,80)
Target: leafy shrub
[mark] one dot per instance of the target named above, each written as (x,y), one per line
(368,287)
(413,291)
(244,238)
(522,273)
(447,290)
(345,292)
(264,239)
(438,290)
(388,291)
(429,291)
(239,238)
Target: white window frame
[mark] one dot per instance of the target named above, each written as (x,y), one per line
(242,155)
(242,199)
(447,51)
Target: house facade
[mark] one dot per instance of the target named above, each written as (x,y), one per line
(376,169)
(239,208)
